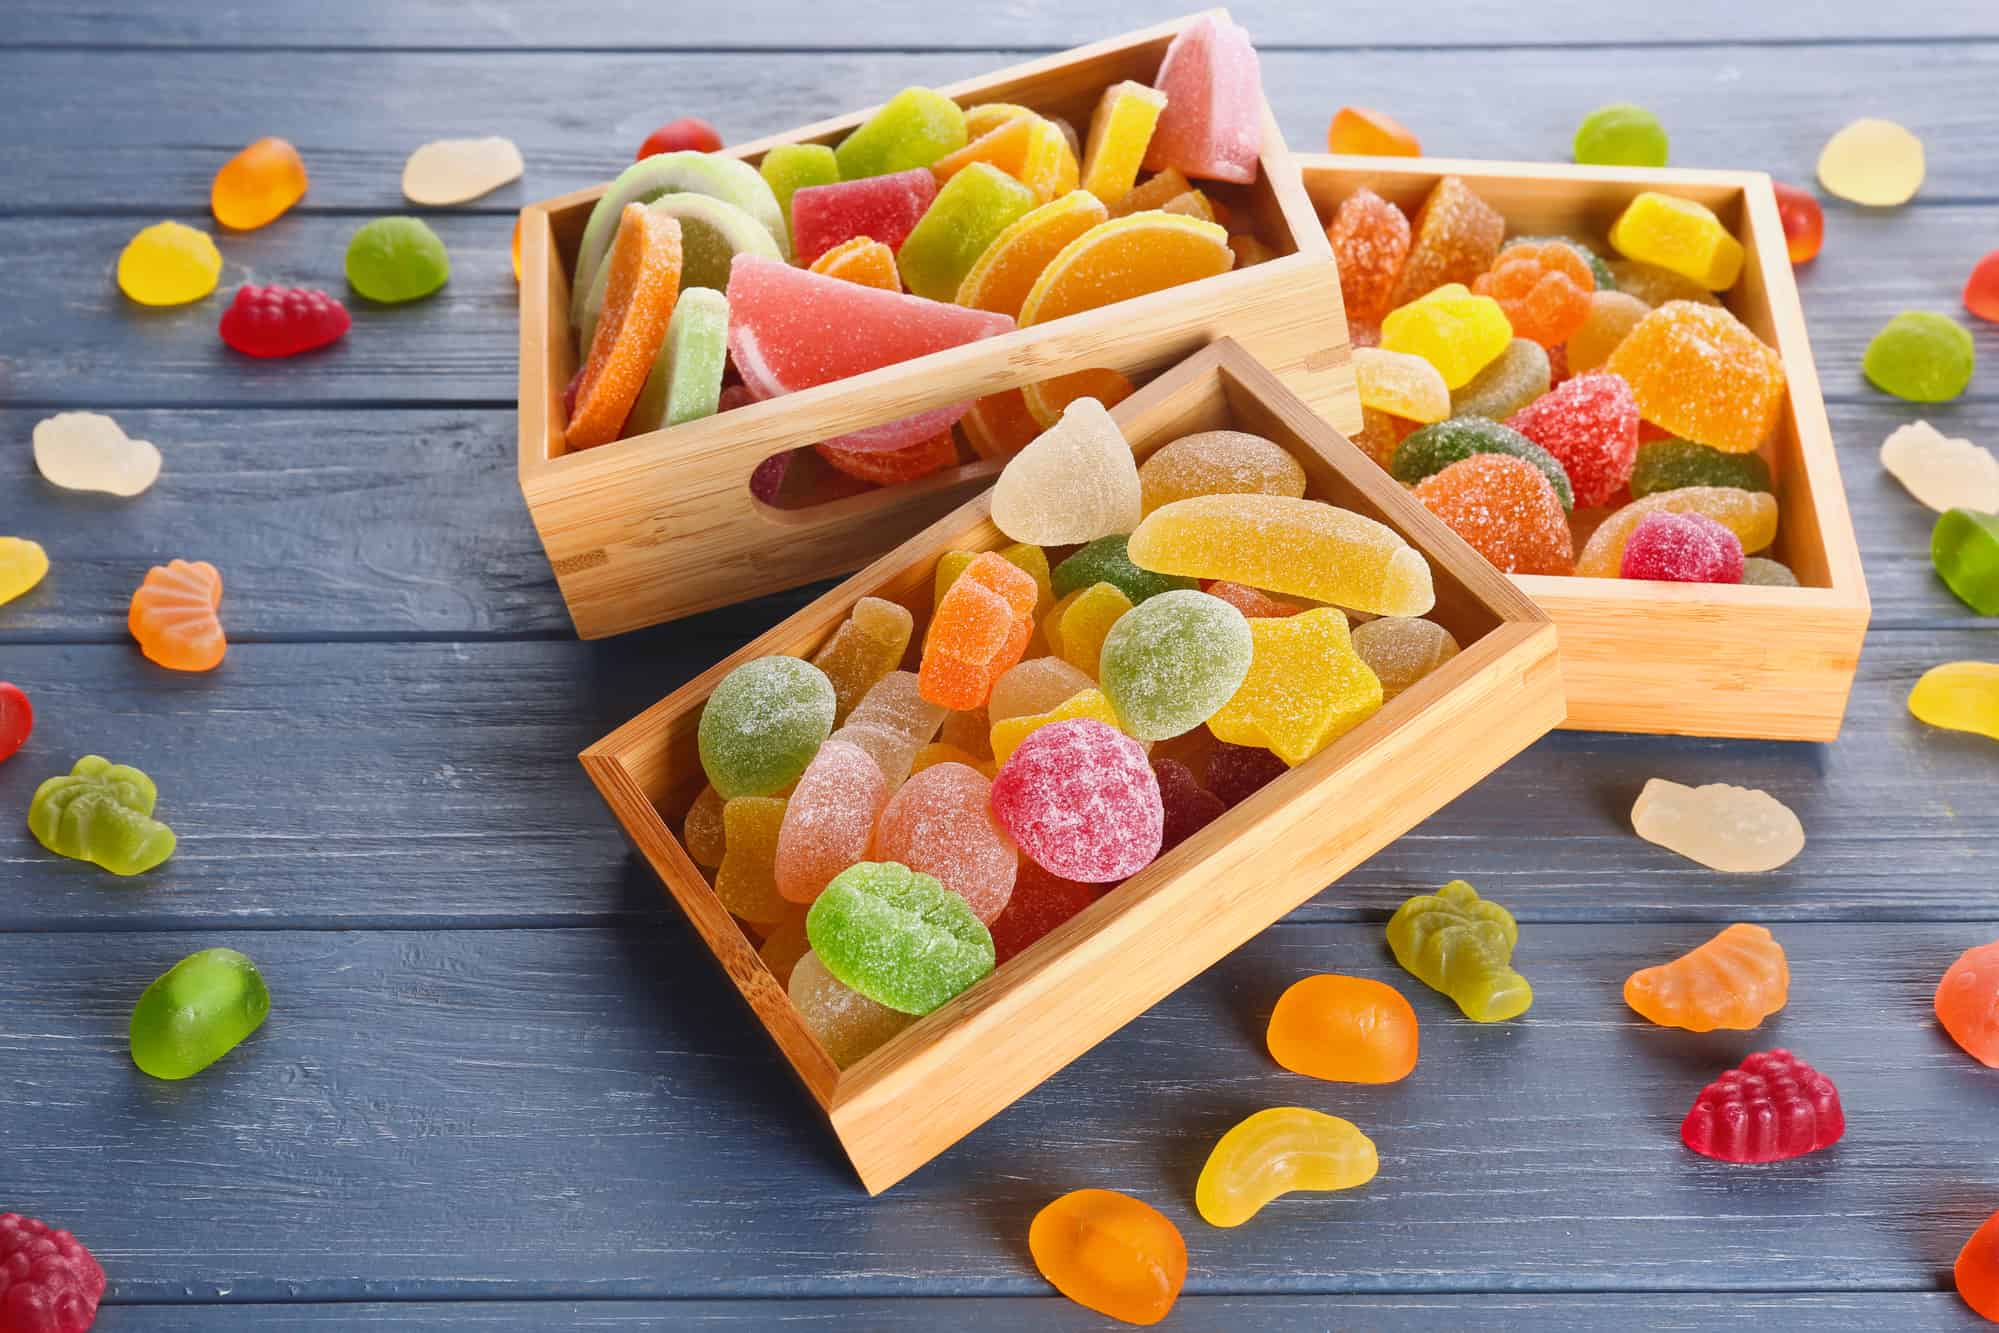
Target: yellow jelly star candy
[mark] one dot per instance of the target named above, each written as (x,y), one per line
(1306,687)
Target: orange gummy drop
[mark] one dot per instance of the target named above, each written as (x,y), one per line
(1735,981)
(256,186)
(1370,239)
(863,260)
(1967,1005)
(1367,133)
(1110,1253)
(1977,1270)
(1344,1029)
(1506,509)
(1544,288)
(173,616)
(639,296)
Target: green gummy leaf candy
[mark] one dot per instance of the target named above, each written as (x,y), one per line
(392,260)
(763,724)
(1674,465)
(1454,942)
(102,813)
(1108,560)
(1435,447)
(913,129)
(1170,663)
(197,1012)
(1964,547)
(1621,135)
(1920,356)
(898,937)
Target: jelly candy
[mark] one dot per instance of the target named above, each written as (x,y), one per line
(1455,942)
(392,260)
(712,234)
(1187,808)
(642,287)
(1967,1003)
(173,618)
(1513,379)
(199,1010)
(1081,801)
(892,722)
(912,129)
(1120,131)
(1173,661)
(1151,195)
(454,171)
(1767,573)
(1611,317)
(1872,162)
(1106,560)
(1401,650)
(1962,696)
(1370,240)
(1035,686)
(1941,472)
(1981,289)
(1600,273)
(1030,560)
(1039,904)
(746,881)
(1770,1108)
(1920,356)
(1697,372)
(1398,383)
(1621,135)
(1001,278)
(895,466)
(282,321)
(1344,1030)
(829,820)
(1680,236)
(1252,602)
(1365,132)
(22,565)
(1234,773)
(1590,425)
(1027,149)
(689,134)
(1298,547)
(169,263)
(1736,830)
(885,208)
(985,117)
(519,218)
(785,946)
(847,1023)
(768,479)
(1077,627)
(861,259)
(1750,515)
(49,1283)
(1734,981)
(1977,1270)
(1455,237)
(1007,733)
(17,719)
(940,823)
(1047,400)
(1681,548)
(1125,258)
(1542,287)
(1426,452)
(868,645)
(101,812)
(1964,547)
(1671,465)
(701,831)
(1218,462)
(1455,331)
(1110,1253)
(980,628)
(88,451)
(791,167)
(734,183)
(1803,222)
(762,725)
(1212,123)
(1280,1151)
(1380,433)
(1504,507)
(898,937)
(1077,482)
(258,185)
(1306,687)
(1655,286)
(685,383)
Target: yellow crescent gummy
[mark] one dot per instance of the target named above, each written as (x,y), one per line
(1280,1151)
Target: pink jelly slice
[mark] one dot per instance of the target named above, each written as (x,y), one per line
(884,207)
(791,329)
(1212,126)
(1081,801)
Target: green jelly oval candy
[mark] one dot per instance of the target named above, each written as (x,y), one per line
(1516,377)
(396,259)
(1761,571)
(1674,465)
(1921,356)
(763,724)
(198,1012)
(1964,547)
(1108,560)
(1606,281)
(912,129)
(1435,447)
(898,937)
(102,813)
(1170,663)
(791,167)
(1621,135)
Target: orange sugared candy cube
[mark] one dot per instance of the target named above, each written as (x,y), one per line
(173,616)
(1506,509)
(1370,239)
(1369,133)
(1344,1029)
(1967,1004)
(1456,238)
(1700,373)
(1734,981)
(1110,1253)
(1544,287)
(980,628)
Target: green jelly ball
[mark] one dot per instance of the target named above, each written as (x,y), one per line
(1170,663)
(763,724)
(1108,560)
(898,937)
(1621,135)
(1964,546)
(1920,356)
(1435,447)
(396,259)
(1606,281)
(198,1012)
(1672,465)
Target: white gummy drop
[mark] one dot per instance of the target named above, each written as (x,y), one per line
(88,451)
(1940,471)
(1736,830)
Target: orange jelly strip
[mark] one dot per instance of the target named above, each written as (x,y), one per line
(639,296)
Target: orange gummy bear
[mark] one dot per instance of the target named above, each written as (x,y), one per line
(1344,1029)
(639,295)
(1110,1253)
(1967,1005)
(1735,981)
(1977,1270)
(173,616)
(1544,287)
(980,628)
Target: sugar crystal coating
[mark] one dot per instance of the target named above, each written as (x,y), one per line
(791,167)
(1428,451)
(1370,240)
(1008,733)
(1048,399)
(1188,807)
(746,881)
(1964,548)
(1736,830)
(1080,799)
(940,824)
(1344,1030)
(762,725)
(1105,560)
(1750,515)
(1003,275)
(686,379)
(1767,573)
(898,937)
(1510,381)
(1401,650)
(1039,904)
(1671,465)
(1218,462)
(972,209)
(1212,123)
(980,628)
(1121,129)
(1734,981)
(701,831)
(882,208)
(1252,602)
(1366,132)
(1035,686)
(1920,356)
(1172,661)
(1306,687)
(912,129)
(1681,236)
(847,1023)
(1075,483)
(1611,317)
(1456,331)
(1110,1253)
(1076,628)
(892,722)
(199,1010)
(1590,425)
(1505,508)
(1655,286)
(88,451)
(1874,162)
(1399,383)
(829,819)
(1278,1151)
(1696,371)
(1029,149)
(869,643)
(1455,942)
(1770,1108)
(641,285)
(1681,548)
(1456,237)
(1543,287)
(1234,773)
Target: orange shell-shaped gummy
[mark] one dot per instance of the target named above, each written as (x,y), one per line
(1735,980)
(1967,1005)
(173,616)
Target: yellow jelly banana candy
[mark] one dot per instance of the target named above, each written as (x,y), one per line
(1279,1151)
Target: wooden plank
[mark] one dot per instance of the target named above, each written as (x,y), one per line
(586,1113)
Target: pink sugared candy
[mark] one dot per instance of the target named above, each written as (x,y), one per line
(49,1283)
(884,207)
(1590,425)
(1189,807)
(1080,801)
(1212,126)
(1237,772)
(1771,1107)
(940,823)
(1040,902)
(829,820)
(1682,548)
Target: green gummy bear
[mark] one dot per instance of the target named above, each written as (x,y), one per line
(1674,465)
(1170,663)
(763,724)
(1108,560)
(1964,547)
(1435,447)
(1606,281)
(686,379)
(101,813)
(913,129)
(1920,356)
(1621,135)
(392,260)
(973,208)
(197,1012)
(1453,942)
(898,937)
(791,167)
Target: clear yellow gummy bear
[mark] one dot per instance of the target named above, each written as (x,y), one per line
(1306,687)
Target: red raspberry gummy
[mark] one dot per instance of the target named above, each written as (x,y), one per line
(1771,1107)
(48,1282)
(17,719)
(282,321)
(1590,425)
(688,134)
(1682,548)
(1080,800)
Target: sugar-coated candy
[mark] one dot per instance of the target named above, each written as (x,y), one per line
(1295,546)
(1671,465)
(1120,130)
(1151,195)
(1656,286)
(1455,237)
(746,881)
(22,565)
(1218,462)
(101,812)
(1370,239)
(1803,222)
(1078,625)
(724,178)
(1960,696)
(49,1283)
(898,937)
(1458,943)
(1234,773)
(1007,733)
(768,479)
(169,263)
(455,171)
(1967,1003)
(1734,981)
(785,946)
(688,134)
(1212,123)
(1048,399)
(847,1023)
(1750,515)
(88,451)
(1941,472)
(1344,1030)
(1079,798)
(1621,135)
(999,426)
(980,628)
(1110,1253)
(701,831)
(791,167)
(1611,317)
(1543,287)
(1681,236)
(1504,507)
(1770,1108)
(912,129)
(1981,289)
(1252,602)
(1428,451)
(1920,356)
(1767,573)
(1681,548)
(868,645)
(883,208)
(258,185)
(1188,807)
(1401,650)
(892,722)
(1125,258)
(1600,272)
(1976,1271)
(1173,661)
(1279,1151)
(1029,559)
(944,752)
(685,383)
(1039,904)
(1028,149)
(1002,276)
(1872,162)
(1106,560)
(1454,330)
(1075,483)
(282,321)
(829,819)
(1736,830)
(1699,373)
(1400,384)
(172,616)
(894,466)
(762,725)
(1364,132)
(17,719)
(1380,433)
(1510,381)
(1035,686)
(1306,687)
(940,823)
(198,1011)
(1964,548)
(392,260)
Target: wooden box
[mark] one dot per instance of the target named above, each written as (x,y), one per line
(942,1077)
(1692,659)
(663,525)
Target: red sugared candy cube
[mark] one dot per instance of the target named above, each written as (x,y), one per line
(282,321)
(1590,425)
(17,719)
(886,208)
(1079,800)
(1803,219)
(1682,548)
(1771,1107)
(48,1282)
(689,134)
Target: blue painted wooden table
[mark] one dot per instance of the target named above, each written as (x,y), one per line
(502,1090)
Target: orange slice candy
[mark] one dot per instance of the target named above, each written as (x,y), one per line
(1735,981)
(999,425)
(1027,148)
(1125,258)
(1046,400)
(887,467)
(639,295)
(861,259)
(1002,277)
(173,616)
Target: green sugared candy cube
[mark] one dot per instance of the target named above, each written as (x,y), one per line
(1672,465)
(1108,560)
(913,129)
(790,167)
(198,1012)
(1760,571)
(898,937)
(973,208)
(392,260)
(763,724)
(1435,447)
(1621,135)
(1964,546)
(1171,662)
(1606,281)
(686,379)
(101,812)
(1920,356)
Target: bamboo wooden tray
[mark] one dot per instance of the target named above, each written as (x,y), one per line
(1688,659)
(950,1072)
(663,525)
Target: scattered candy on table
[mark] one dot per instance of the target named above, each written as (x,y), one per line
(1621,135)
(101,812)
(1734,981)
(257,186)
(1921,356)
(1964,547)
(1981,288)
(1110,1253)
(49,1283)
(1872,162)
(282,321)
(1803,222)
(173,616)
(22,565)
(88,451)
(1276,1152)
(688,134)
(457,171)
(198,1011)
(1455,942)
(169,263)
(1736,830)
(1365,132)
(392,260)
(1959,696)
(1977,1270)
(1344,1030)
(1941,472)
(1770,1108)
